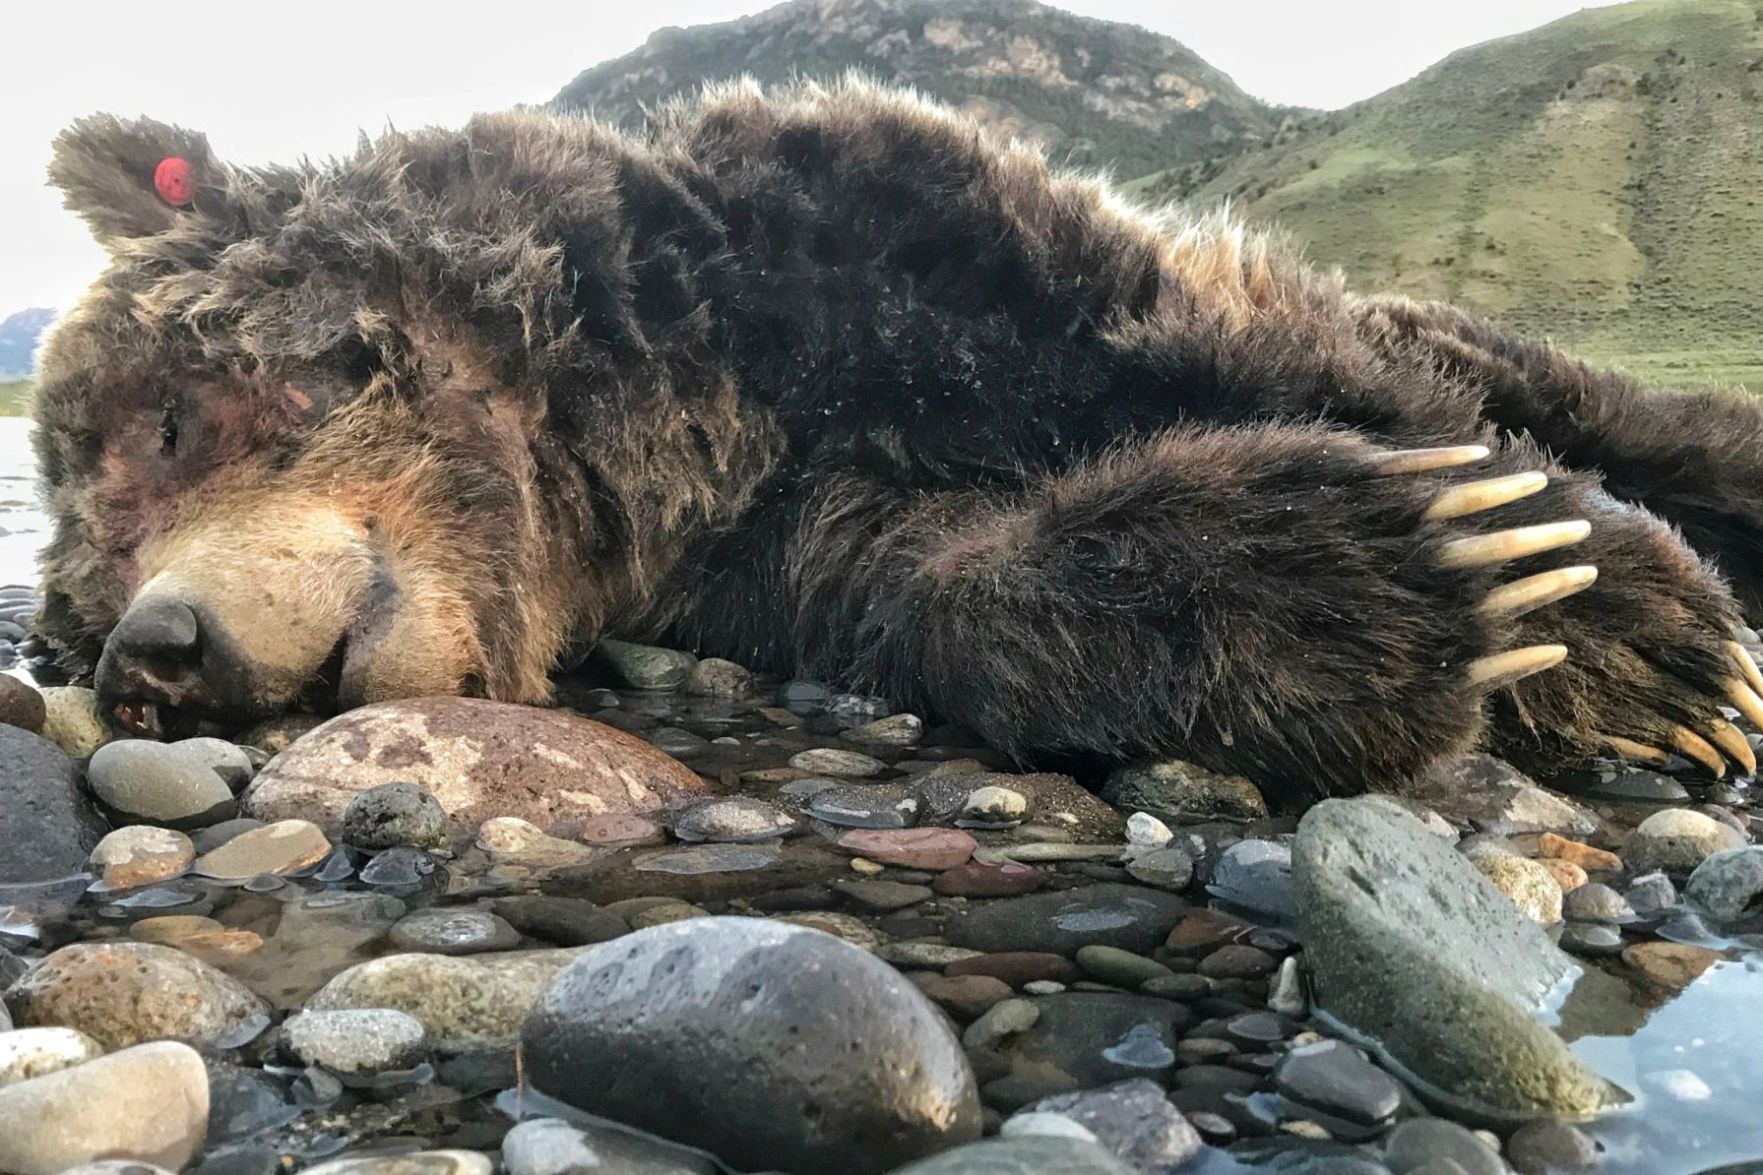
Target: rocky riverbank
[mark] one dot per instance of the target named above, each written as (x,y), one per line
(696,921)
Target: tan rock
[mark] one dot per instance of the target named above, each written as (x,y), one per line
(1567,875)
(1529,884)
(479,759)
(282,848)
(123,993)
(1670,965)
(148,1103)
(1581,854)
(141,855)
(512,841)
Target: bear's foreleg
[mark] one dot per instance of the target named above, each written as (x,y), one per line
(1285,601)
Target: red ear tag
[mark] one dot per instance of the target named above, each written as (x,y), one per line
(171,179)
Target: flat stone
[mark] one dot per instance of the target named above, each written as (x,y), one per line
(895,731)
(447,1162)
(356,1040)
(48,828)
(615,830)
(1337,1079)
(33,1052)
(453,930)
(1017,967)
(21,705)
(865,806)
(1677,840)
(1428,1141)
(181,785)
(1490,795)
(282,848)
(148,1103)
(1527,885)
(962,996)
(836,762)
(1134,1120)
(714,677)
(1003,1019)
(853,930)
(1035,1154)
(1669,965)
(1169,868)
(123,993)
(732,819)
(479,759)
(1542,1148)
(644,666)
(1256,875)
(1237,961)
(1411,947)
(75,721)
(566,922)
(1590,939)
(1123,916)
(1080,1040)
(395,814)
(912,848)
(878,1081)
(1727,883)
(141,855)
(512,841)
(549,1146)
(1179,792)
(883,896)
(1596,902)
(1118,967)
(475,1002)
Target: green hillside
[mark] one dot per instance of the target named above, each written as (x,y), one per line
(15,397)
(1599,180)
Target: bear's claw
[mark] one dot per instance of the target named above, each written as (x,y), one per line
(1502,669)
(1398,461)
(1522,595)
(1486,550)
(1476,496)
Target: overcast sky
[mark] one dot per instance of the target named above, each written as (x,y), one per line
(271,82)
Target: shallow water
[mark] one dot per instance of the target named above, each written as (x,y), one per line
(24,528)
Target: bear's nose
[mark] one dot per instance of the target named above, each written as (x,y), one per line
(153,652)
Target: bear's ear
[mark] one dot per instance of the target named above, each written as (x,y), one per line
(133,178)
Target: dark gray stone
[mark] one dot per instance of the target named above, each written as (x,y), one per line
(550,1146)
(1591,939)
(1652,895)
(1542,1148)
(1335,1078)
(1081,1039)
(862,1073)
(1256,875)
(1727,883)
(644,666)
(1595,902)
(47,826)
(177,785)
(1490,795)
(568,922)
(1410,946)
(1034,1154)
(1134,1119)
(453,930)
(1125,916)
(1183,793)
(1419,1141)
(394,814)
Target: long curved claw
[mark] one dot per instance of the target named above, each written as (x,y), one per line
(1731,740)
(1745,700)
(1485,550)
(1639,752)
(1747,665)
(1502,669)
(1698,748)
(1426,460)
(1476,496)
(1523,595)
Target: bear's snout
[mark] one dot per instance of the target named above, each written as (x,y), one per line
(166,651)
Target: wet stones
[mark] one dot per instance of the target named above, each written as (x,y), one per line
(865,806)
(447,1162)
(714,677)
(512,841)
(837,763)
(466,1004)
(1077,1040)
(1490,795)
(452,930)
(917,848)
(122,993)
(479,759)
(21,705)
(1132,1119)
(1677,840)
(141,855)
(75,721)
(1025,1154)
(645,666)
(895,732)
(279,849)
(1726,883)
(732,820)
(1407,944)
(567,922)
(179,785)
(48,828)
(974,879)
(1122,916)
(1527,884)
(1335,1078)
(355,1041)
(394,814)
(550,1146)
(878,1081)
(33,1052)
(1670,966)
(148,1103)
(1183,793)
(1256,875)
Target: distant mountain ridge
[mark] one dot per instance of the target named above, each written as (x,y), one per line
(1093,92)
(19,335)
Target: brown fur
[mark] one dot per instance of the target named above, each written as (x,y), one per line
(827,381)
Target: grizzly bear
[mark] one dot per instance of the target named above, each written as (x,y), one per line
(826,381)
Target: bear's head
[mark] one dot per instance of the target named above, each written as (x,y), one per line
(329,432)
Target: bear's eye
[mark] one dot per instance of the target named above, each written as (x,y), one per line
(168,429)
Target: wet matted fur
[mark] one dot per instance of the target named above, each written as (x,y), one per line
(827,381)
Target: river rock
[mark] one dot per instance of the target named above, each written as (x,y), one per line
(714,677)
(394,814)
(1133,1119)
(447,1162)
(1527,884)
(861,1072)
(148,1103)
(479,759)
(567,922)
(21,705)
(1677,840)
(509,840)
(1726,883)
(467,1004)
(1179,792)
(1081,1039)
(911,848)
(645,666)
(1335,1078)
(550,1146)
(48,828)
(32,1052)
(1024,1154)
(1486,794)
(732,820)
(172,784)
(453,930)
(355,1040)
(141,855)
(1412,948)
(280,849)
(75,721)
(1123,916)
(122,993)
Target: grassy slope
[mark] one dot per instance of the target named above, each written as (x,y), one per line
(1599,180)
(15,397)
